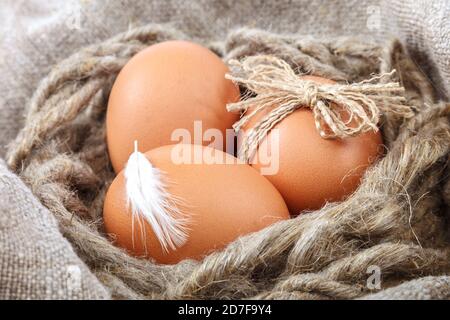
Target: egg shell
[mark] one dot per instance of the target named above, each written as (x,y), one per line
(222,201)
(166,87)
(312,170)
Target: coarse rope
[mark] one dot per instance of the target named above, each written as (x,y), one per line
(340,110)
(61,155)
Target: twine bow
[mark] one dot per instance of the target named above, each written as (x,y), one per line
(340,110)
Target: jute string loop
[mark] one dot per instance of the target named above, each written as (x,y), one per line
(340,110)
(62,156)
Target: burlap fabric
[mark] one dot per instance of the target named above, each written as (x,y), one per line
(395,220)
(37,262)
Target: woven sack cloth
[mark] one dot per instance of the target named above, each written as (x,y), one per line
(394,223)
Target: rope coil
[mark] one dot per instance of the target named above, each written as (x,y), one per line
(61,154)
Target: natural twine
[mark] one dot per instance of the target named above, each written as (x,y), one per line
(392,221)
(339,111)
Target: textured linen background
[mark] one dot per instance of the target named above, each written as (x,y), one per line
(36,34)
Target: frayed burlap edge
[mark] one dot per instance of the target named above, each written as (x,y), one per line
(393,221)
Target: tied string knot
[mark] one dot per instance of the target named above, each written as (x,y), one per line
(339,110)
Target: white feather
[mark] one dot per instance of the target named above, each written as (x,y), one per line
(151,203)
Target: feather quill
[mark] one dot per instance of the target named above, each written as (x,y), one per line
(150,202)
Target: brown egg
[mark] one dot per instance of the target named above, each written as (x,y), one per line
(312,170)
(165,87)
(223,200)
